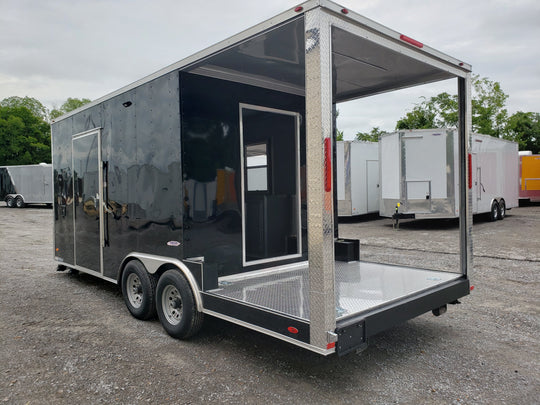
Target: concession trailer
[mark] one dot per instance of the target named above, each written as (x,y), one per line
(26,184)
(529,176)
(357,177)
(420,174)
(207,188)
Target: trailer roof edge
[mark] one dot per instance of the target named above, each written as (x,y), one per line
(289,14)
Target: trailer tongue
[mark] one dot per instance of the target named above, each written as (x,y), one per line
(209,186)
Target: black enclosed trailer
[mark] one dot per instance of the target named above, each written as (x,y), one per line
(207,187)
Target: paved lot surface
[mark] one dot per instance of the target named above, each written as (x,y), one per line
(68,338)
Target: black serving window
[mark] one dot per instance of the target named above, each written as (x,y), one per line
(257,167)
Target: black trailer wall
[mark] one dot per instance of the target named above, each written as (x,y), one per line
(140,143)
(212,171)
(149,191)
(6,186)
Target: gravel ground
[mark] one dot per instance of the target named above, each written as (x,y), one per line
(68,338)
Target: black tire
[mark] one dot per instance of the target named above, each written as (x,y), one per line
(176,307)
(10,202)
(139,290)
(502,209)
(494,213)
(19,202)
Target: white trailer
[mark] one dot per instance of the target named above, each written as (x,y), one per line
(357,180)
(419,174)
(26,184)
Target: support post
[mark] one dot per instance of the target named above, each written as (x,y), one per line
(465,198)
(319,129)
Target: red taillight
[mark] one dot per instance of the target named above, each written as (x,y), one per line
(472,287)
(331,345)
(327,165)
(292,329)
(411,41)
(470,171)
(298,9)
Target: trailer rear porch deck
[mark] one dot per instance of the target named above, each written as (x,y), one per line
(360,287)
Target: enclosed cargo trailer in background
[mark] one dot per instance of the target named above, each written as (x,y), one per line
(207,187)
(26,184)
(419,174)
(529,176)
(357,172)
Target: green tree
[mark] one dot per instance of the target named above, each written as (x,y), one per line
(69,105)
(37,109)
(488,113)
(421,116)
(339,134)
(372,136)
(524,128)
(24,137)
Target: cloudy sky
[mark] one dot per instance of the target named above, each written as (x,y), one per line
(55,49)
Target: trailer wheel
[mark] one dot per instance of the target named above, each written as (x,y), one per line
(10,202)
(502,209)
(494,213)
(176,306)
(19,202)
(139,290)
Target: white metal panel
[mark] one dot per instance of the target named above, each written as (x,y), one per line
(497,168)
(372,167)
(389,163)
(425,163)
(361,152)
(475,173)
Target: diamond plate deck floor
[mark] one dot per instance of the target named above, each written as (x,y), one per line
(360,286)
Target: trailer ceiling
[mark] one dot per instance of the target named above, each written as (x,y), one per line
(275,59)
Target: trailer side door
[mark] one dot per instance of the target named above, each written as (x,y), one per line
(87,194)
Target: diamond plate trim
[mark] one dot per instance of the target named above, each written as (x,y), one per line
(320,203)
(466,215)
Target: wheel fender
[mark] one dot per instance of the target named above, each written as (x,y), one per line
(153,263)
(14,196)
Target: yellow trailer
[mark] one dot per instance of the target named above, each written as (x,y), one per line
(529,176)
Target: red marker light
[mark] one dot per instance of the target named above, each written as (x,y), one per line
(327,165)
(472,287)
(292,329)
(298,9)
(344,11)
(331,345)
(411,41)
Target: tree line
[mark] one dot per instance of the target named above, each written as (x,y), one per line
(489,116)
(25,122)
(25,129)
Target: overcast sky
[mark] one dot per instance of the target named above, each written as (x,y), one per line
(55,49)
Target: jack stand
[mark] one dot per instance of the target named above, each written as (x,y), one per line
(396,215)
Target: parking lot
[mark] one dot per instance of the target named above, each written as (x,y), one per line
(68,338)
